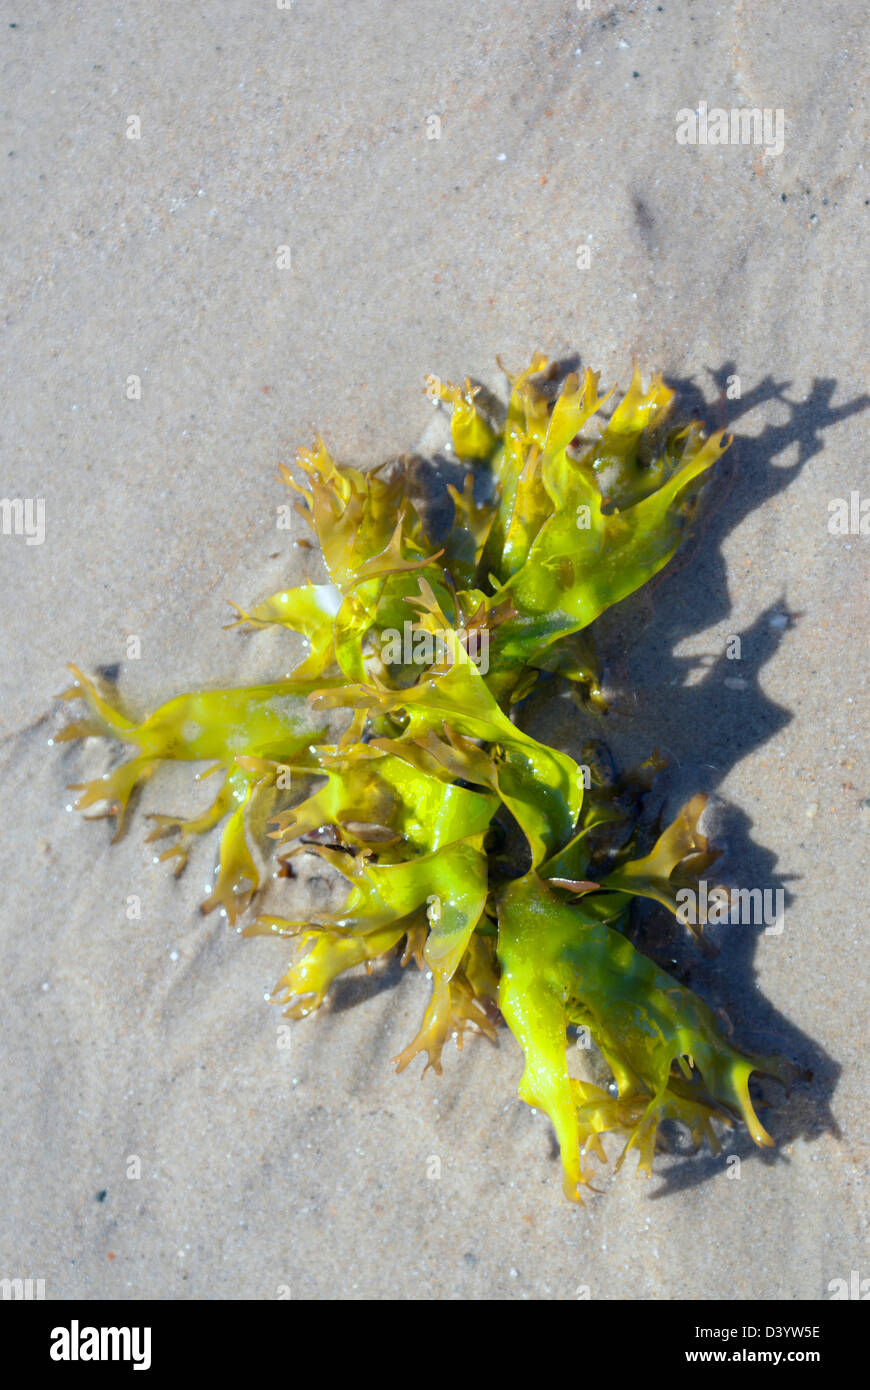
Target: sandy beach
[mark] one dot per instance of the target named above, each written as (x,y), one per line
(229,226)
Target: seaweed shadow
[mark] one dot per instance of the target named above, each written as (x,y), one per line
(706,726)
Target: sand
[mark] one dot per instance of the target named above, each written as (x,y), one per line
(262,1169)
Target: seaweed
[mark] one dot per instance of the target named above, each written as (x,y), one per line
(504,867)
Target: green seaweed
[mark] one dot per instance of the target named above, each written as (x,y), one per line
(412,801)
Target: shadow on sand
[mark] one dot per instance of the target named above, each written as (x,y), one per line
(704,728)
